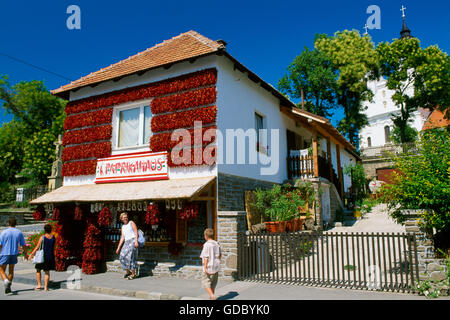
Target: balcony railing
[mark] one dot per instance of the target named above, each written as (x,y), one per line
(303,167)
(300,167)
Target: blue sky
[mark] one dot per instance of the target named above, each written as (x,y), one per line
(264,35)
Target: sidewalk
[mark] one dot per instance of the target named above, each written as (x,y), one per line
(171,288)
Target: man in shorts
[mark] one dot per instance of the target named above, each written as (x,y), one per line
(211,255)
(10,240)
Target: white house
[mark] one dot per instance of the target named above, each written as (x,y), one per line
(118,151)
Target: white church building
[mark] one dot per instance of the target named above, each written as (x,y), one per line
(379,112)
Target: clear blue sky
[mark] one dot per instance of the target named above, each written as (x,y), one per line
(264,35)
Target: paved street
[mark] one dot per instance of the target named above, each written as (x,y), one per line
(27,292)
(378,220)
(112,285)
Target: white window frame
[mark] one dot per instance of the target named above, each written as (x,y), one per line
(264,144)
(116,119)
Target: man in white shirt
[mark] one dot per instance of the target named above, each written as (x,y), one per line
(211,255)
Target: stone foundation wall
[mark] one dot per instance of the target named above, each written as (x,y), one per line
(5,216)
(430,268)
(229,225)
(232,189)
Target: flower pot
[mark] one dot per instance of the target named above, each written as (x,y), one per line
(282,226)
(290,225)
(357,214)
(297,224)
(271,226)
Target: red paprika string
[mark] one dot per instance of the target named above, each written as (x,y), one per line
(78,215)
(104,217)
(152,217)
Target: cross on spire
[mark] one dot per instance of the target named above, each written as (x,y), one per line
(403,11)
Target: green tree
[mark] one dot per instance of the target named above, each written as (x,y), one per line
(419,78)
(422,180)
(11,146)
(356,60)
(38,119)
(31,103)
(410,134)
(311,76)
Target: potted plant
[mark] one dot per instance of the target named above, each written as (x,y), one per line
(281,204)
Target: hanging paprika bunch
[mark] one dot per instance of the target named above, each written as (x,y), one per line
(152,217)
(39,213)
(104,217)
(189,212)
(56,214)
(78,215)
(92,255)
(79,168)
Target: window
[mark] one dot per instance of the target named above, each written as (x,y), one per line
(369,142)
(261,139)
(133,125)
(387,134)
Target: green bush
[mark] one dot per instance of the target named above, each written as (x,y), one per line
(6,192)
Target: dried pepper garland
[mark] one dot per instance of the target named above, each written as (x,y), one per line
(104,217)
(88,119)
(92,255)
(185,100)
(153,215)
(189,157)
(189,212)
(79,168)
(87,135)
(56,214)
(184,119)
(163,141)
(182,83)
(39,213)
(85,151)
(78,214)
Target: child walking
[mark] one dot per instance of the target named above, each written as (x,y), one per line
(210,255)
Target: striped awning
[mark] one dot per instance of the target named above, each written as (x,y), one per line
(128,191)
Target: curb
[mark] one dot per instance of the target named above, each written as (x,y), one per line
(109,291)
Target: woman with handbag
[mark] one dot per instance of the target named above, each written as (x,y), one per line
(44,260)
(128,246)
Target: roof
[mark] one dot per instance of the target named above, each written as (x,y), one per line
(436,120)
(128,191)
(184,46)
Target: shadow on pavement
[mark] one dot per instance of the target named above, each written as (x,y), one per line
(229,295)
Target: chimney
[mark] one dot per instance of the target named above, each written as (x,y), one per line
(222,43)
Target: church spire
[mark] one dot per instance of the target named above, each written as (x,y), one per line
(405,32)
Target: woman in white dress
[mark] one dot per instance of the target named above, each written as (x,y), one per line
(128,246)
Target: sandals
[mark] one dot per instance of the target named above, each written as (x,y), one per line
(131,277)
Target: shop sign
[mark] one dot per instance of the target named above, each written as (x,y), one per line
(132,167)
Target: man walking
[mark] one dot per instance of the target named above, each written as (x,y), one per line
(10,240)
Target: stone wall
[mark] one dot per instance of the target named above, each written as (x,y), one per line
(6,215)
(430,268)
(371,166)
(232,189)
(229,225)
